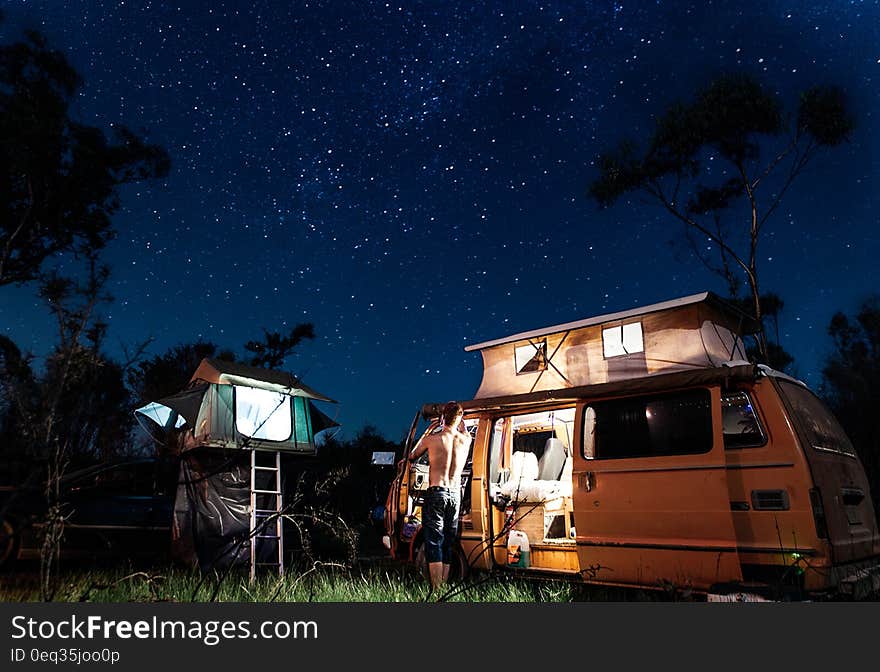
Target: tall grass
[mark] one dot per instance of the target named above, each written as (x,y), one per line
(317,584)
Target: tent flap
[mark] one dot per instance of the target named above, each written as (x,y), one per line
(187,403)
(320,420)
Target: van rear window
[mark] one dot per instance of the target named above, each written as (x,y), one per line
(821,427)
(669,424)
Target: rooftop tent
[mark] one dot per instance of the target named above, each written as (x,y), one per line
(692,332)
(230,405)
(227,410)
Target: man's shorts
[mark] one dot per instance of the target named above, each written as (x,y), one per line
(440,523)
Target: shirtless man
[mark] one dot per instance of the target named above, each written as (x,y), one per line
(447,452)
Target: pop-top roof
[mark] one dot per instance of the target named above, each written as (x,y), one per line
(748,325)
(690,332)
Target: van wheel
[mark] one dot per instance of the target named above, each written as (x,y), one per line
(8,543)
(458,568)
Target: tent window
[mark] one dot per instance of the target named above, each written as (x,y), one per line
(624,339)
(262,414)
(531,358)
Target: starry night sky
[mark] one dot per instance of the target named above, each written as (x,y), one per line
(411,177)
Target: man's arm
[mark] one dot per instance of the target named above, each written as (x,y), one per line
(418,450)
(465,436)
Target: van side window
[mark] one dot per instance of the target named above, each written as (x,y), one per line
(821,427)
(679,423)
(740,423)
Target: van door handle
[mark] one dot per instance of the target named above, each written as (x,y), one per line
(587,480)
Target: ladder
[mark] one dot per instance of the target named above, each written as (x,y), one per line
(267,505)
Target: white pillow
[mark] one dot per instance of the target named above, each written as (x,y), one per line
(523,466)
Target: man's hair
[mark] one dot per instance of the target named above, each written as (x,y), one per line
(450,410)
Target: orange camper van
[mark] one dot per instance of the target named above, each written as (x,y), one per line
(641,449)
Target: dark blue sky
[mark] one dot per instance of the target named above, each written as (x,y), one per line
(410,177)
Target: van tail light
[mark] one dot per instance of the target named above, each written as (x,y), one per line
(819,513)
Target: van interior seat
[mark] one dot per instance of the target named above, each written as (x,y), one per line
(552,460)
(523,485)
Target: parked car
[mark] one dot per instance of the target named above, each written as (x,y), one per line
(114,510)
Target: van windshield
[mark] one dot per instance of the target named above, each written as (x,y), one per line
(821,427)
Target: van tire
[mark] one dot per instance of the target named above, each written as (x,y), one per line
(458,568)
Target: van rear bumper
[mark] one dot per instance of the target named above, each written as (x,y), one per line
(858,580)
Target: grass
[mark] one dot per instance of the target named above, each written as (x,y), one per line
(319,584)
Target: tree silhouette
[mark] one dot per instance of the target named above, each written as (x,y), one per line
(59,188)
(851,383)
(271,352)
(76,411)
(59,179)
(733,119)
(775,355)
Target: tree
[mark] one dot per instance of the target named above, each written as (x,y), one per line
(18,391)
(734,119)
(59,179)
(76,411)
(271,352)
(775,355)
(851,383)
(78,399)
(59,188)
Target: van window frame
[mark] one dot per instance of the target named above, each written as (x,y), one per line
(595,457)
(764,435)
(495,416)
